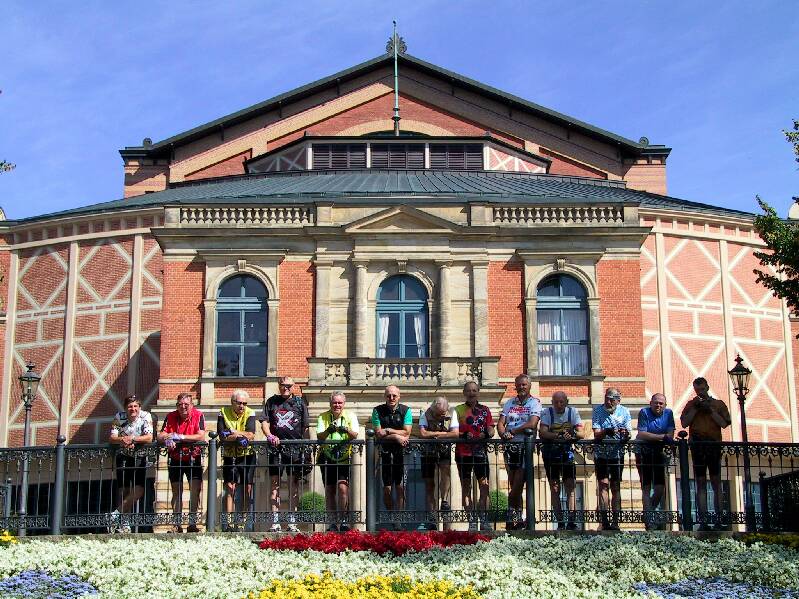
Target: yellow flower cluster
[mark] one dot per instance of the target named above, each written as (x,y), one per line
(369,587)
(7,538)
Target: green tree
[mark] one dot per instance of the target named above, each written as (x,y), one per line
(782,240)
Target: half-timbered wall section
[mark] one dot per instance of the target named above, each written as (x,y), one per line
(87,312)
(701,306)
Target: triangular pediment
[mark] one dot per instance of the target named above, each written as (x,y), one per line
(402,219)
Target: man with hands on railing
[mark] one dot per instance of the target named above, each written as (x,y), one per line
(611,423)
(185,425)
(436,423)
(519,413)
(472,420)
(285,417)
(392,422)
(236,428)
(561,423)
(130,428)
(655,427)
(705,417)
(337,427)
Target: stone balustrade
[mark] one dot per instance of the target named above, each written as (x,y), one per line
(408,372)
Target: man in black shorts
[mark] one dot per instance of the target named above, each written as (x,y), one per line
(285,417)
(472,421)
(705,417)
(236,427)
(434,423)
(392,422)
(336,428)
(561,423)
(182,429)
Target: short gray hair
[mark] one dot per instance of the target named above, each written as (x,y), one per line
(239,393)
(338,394)
(440,401)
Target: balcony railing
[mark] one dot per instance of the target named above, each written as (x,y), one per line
(76,488)
(377,372)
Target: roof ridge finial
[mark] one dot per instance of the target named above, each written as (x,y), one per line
(396,45)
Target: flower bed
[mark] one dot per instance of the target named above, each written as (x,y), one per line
(380,543)
(369,587)
(550,566)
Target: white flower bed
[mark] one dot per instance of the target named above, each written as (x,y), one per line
(586,566)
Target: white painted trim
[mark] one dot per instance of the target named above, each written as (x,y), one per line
(789,366)
(69,337)
(663,318)
(86,236)
(729,332)
(8,364)
(134,332)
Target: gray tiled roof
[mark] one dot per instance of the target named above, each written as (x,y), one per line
(412,187)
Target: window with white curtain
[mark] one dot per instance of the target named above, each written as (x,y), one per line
(402,323)
(562,312)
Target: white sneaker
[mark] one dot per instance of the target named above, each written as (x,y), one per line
(114,520)
(125,530)
(277,528)
(293,528)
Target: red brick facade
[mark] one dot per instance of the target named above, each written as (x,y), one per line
(182,320)
(296,318)
(620,322)
(506,316)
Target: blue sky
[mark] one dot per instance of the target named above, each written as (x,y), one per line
(718,82)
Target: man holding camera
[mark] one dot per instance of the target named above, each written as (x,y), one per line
(705,417)
(611,423)
(561,423)
(337,427)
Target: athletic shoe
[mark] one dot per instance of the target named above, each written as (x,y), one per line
(293,528)
(276,527)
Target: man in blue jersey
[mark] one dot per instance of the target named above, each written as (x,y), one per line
(655,428)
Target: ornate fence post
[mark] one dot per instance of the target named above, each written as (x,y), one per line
(371,489)
(57,507)
(210,511)
(685,482)
(529,503)
(764,502)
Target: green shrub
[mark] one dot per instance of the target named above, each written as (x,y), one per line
(498,505)
(786,540)
(312,502)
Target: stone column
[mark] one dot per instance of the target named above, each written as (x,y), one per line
(361,310)
(480,307)
(531,334)
(322,309)
(444,309)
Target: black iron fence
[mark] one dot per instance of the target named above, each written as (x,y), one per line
(489,485)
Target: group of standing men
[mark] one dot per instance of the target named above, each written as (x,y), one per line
(284,417)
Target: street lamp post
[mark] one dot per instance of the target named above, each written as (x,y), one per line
(30,384)
(739,376)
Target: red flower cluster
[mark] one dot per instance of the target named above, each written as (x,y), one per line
(397,543)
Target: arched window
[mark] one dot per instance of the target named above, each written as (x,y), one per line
(402,319)
(241,327)
(562,327)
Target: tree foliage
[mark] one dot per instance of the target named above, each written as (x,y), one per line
(782,240)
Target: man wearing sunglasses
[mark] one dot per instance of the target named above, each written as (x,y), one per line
(236,428)
(285,417)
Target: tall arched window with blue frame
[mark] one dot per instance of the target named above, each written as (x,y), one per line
(402,322)
(241,318)
(562,312)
